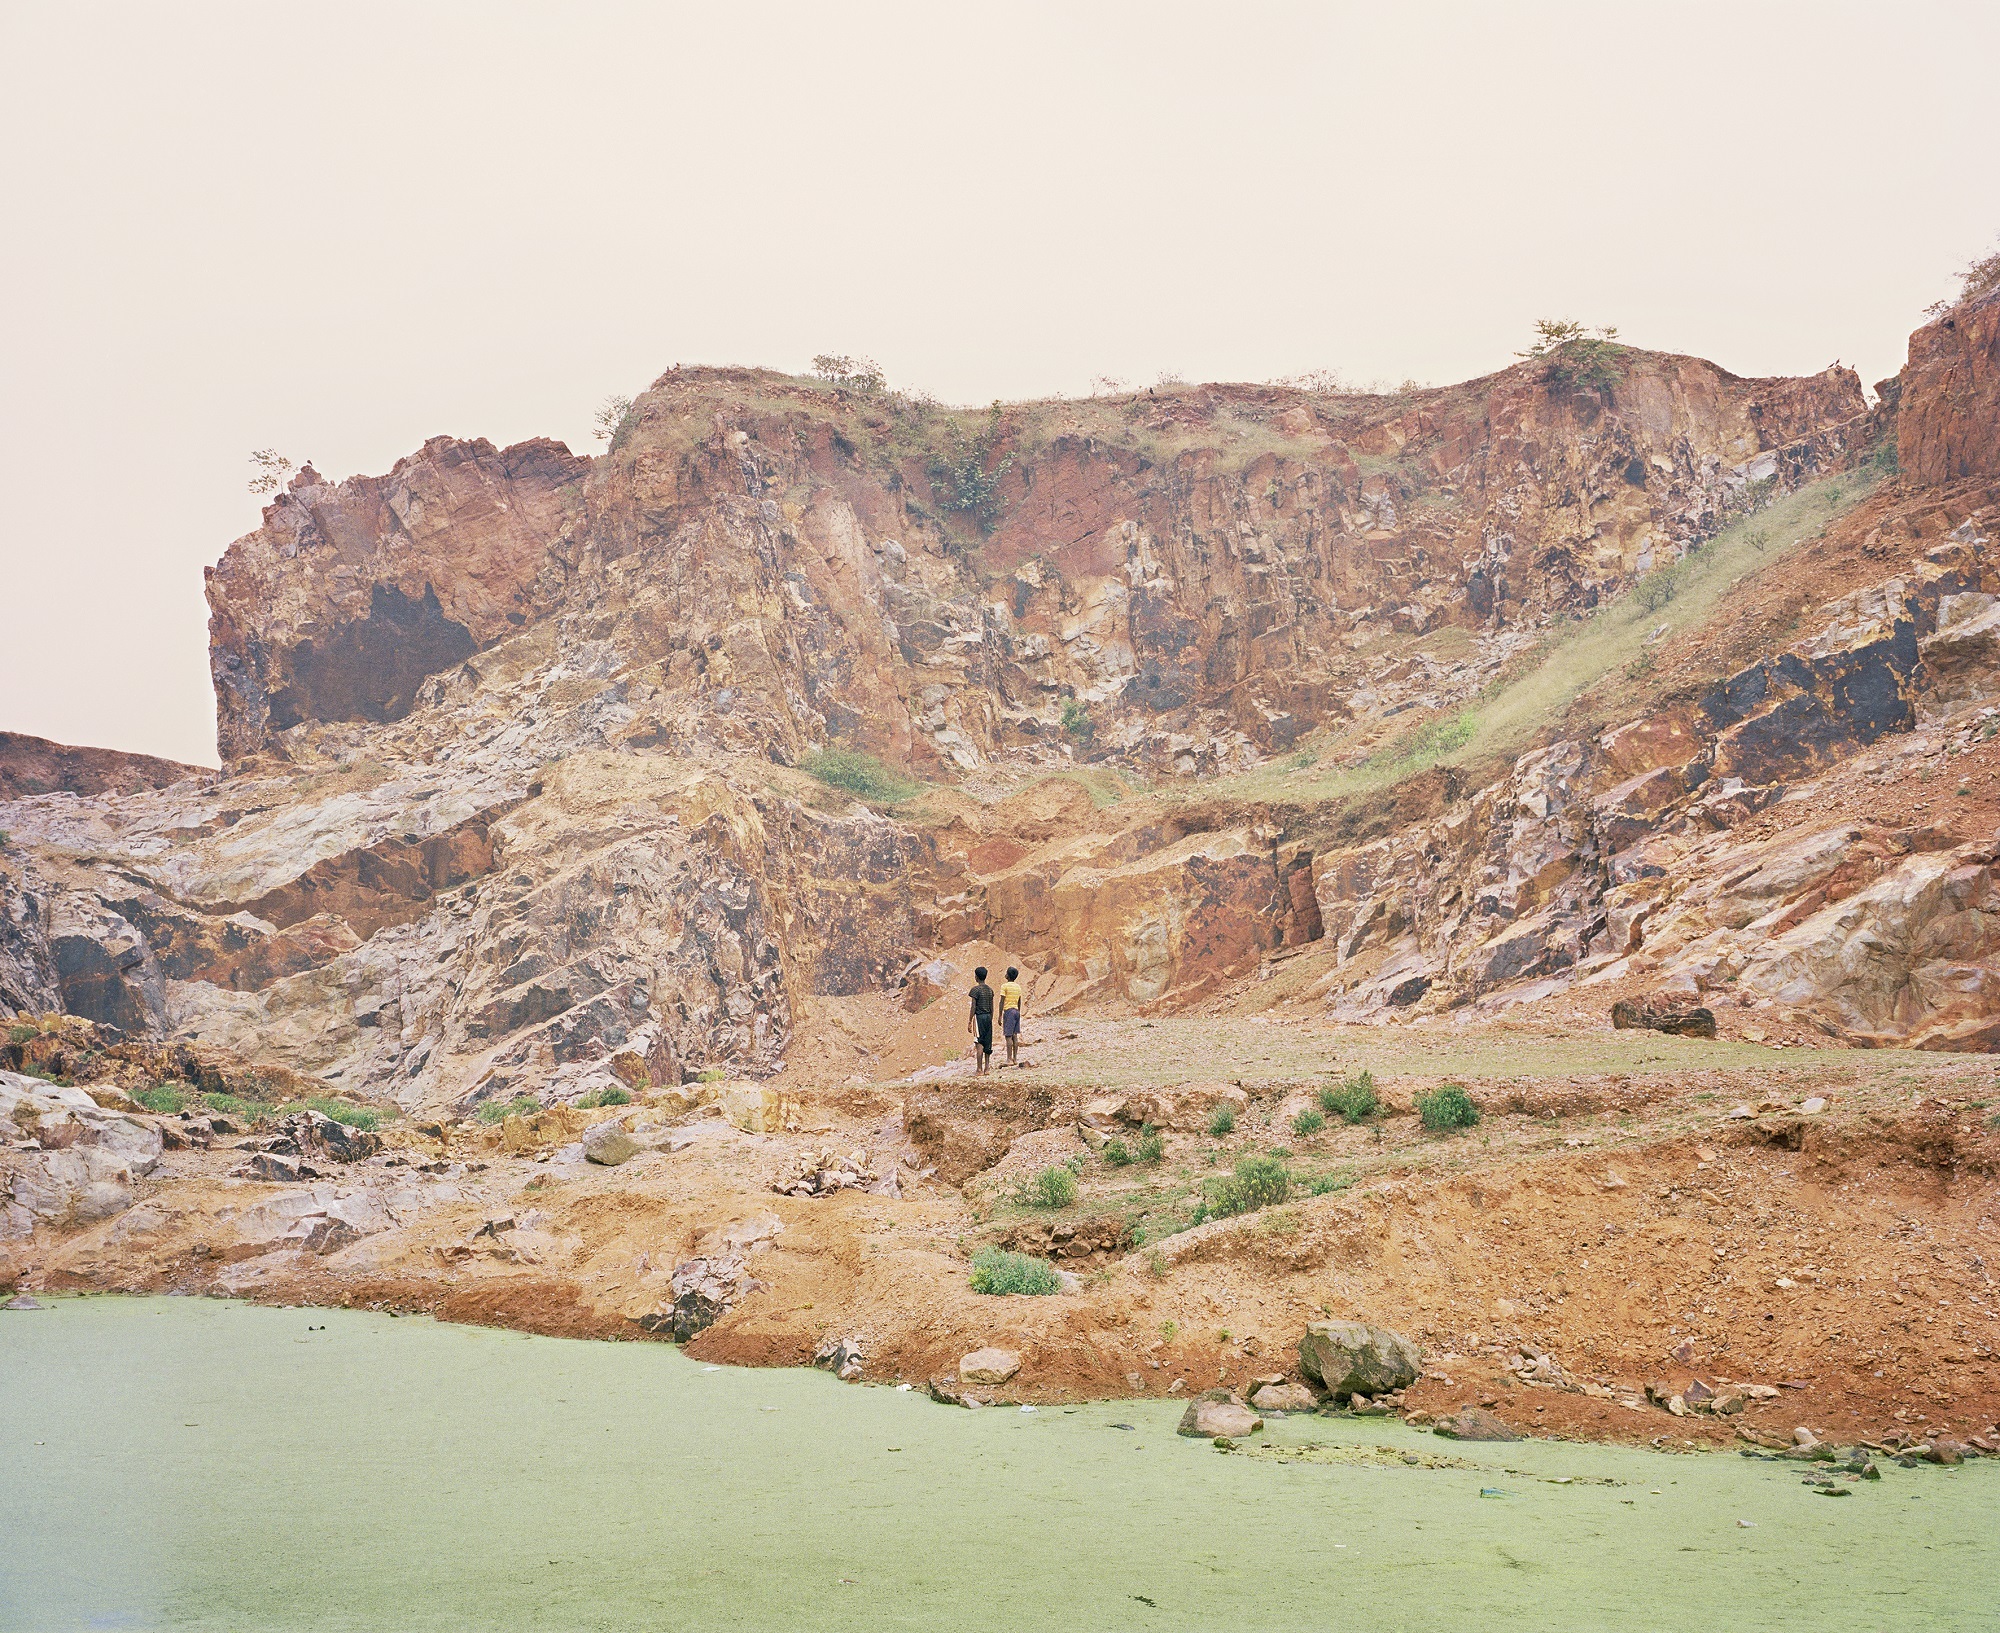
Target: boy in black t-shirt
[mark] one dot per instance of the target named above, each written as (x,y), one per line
(980,1021)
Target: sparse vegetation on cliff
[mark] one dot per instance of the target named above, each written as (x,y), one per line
(614,421)
(966,473)
(1575,355)
(859,774)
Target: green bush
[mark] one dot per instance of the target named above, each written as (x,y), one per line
(1117,1152)
(341,1111)
(236,1106)
(965,476)
(999,1272)
(1259,1182)
(1309,1121)
(1076,720)
(1353,1098)
(613,1096)
(498,1111)
(859,774)
(1152,1147)
(1223,1121)
(1327,1183)
(164,1099)
(711,1074)
(1052,1188)
(1447,1106)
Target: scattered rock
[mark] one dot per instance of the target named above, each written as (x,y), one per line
(840,1356)
(609,1145)
(821,1173)
(1351,1357)
(1218,1414)
(1664,1015)
(1948,1452)
(704,1290)
(989,1366)
(1474,1423)
(21,1301)
(1283,1397)
(273,1169)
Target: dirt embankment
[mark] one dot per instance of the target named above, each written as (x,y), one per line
(1622,1224)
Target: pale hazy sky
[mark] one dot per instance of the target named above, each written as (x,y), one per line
(342,228)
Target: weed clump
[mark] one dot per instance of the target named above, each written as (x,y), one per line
(1223,1121)
(613,1096)
(1446,1107)
(1052,1188)
(164,1099)
(498,1111)
(1258,1182)
(1309,1121)
(1117,1153)
(859,774)
(1326,1184)
(996,1271)
(1152,1147)
(1353,1098)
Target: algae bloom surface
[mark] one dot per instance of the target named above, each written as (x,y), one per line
(188,1464)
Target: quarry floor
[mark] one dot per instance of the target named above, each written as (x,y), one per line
(1644,1209)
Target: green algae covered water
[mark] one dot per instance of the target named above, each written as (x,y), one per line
(188,1464)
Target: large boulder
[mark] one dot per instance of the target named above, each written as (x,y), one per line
(1352,1358)
(988,1366)
(1475,1423)
(609,1144)
(1684,1020)
(704,1290)
(1218,1415)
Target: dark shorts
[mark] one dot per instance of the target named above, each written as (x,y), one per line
(1010,1023)
(986,1033)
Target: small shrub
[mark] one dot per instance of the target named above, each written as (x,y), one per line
(1325,1184)
(164,1099)
(711,1074)
(1117,1152)
(1447,1106)
(1152,1146)
(243,1110)
(1169,1330)
(341,1111)
(1052,1188)
(1076,721)
(1223,1121)
(965,477)
(999,1272)
(1353,1098)
(613,421)
(1258,1182)
(498,1111)
(614,1096)
(1157,1266)
(859,774)
(1660,586)
(1309,1121)
(21,1034)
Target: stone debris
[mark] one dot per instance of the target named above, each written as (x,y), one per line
(1283,1397)
(1350,1357)
(989,1366)
(609,1145)
(840,1356)
(1681,1019)
(74,1162)
(704,1290)
(1474,1423)
(823,1172)
(1218,1414)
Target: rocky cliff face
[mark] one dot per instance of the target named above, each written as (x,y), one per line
(512,800)
(1950,389)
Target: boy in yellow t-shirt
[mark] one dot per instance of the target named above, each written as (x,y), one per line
(1010,1015)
